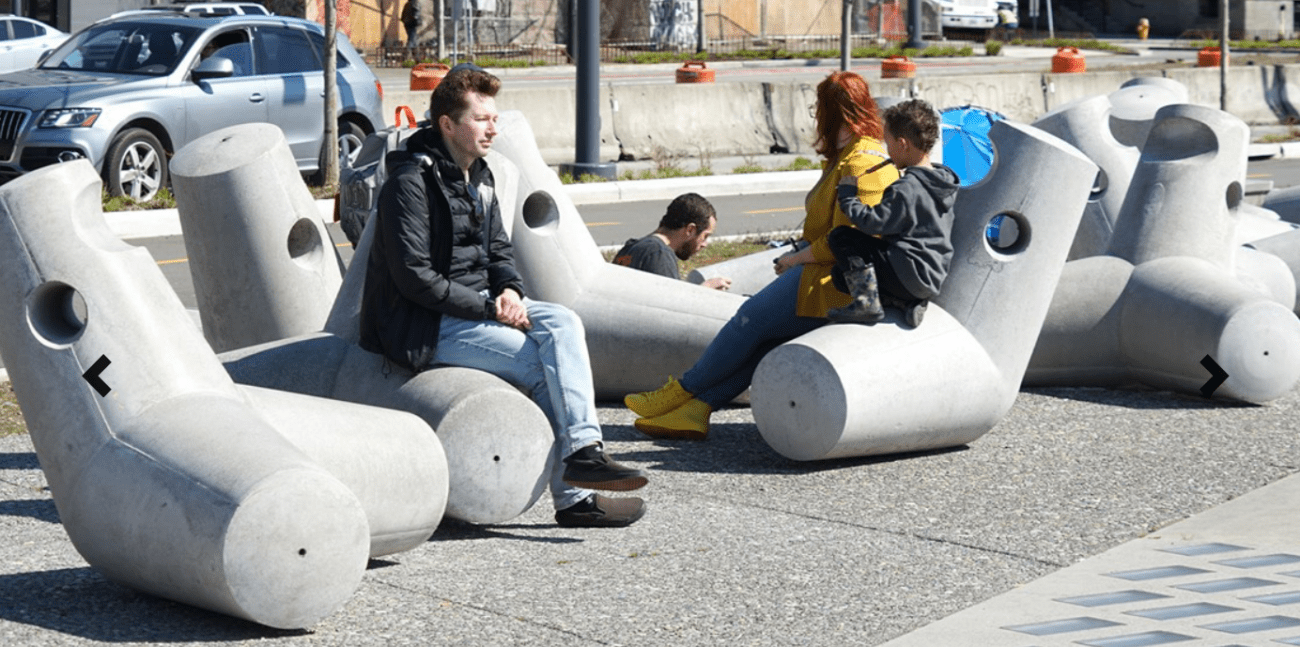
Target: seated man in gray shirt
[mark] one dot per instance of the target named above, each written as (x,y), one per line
(683,231)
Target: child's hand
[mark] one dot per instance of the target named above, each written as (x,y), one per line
(849,180)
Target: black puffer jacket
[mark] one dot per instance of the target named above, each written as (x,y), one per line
(428,256)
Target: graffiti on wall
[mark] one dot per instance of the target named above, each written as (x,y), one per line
(673,23)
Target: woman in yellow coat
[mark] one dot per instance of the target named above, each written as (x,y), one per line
(849,139)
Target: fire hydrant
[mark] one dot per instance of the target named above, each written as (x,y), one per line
(1144,28)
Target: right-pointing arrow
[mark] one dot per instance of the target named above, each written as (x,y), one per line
(1217,376)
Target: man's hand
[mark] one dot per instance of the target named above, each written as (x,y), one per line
(718,283)
(511,310)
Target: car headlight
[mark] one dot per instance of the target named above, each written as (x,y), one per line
(69,118)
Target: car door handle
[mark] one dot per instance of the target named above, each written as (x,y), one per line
(256,97)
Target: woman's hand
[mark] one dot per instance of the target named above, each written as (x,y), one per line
(511,310)
(791,259)
(849,180)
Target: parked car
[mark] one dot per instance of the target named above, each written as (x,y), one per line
(23,40)
(127,92)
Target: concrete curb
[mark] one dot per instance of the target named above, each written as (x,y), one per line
(159,223)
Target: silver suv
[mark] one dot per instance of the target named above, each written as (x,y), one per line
(128,92)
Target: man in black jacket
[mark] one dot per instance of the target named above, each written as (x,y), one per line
(441,288)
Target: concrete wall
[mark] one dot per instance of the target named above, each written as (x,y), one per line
(701,120)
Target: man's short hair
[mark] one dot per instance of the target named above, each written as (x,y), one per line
(686,209)
(914,120)
(449,98)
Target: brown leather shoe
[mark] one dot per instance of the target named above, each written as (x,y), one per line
(597,511)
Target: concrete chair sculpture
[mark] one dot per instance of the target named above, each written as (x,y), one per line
(497,442)
(1165,295)
(640,326)
(851,390)
(168,477)
(1111,130)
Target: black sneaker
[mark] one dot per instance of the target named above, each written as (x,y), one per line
(589,467)
(598,511)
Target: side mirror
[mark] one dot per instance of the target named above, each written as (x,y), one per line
(214,67)
(45,55)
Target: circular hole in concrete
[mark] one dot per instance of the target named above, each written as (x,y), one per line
(304,242)
(1099,184)
(57,313)
(496,459)
(1234,195)
(1007,233)
(541,213)
(302,552)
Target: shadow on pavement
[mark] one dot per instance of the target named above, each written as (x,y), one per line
(80,602)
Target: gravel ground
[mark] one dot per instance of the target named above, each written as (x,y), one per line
(741,546)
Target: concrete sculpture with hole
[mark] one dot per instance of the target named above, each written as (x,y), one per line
(1111,130)
(852,390)
(640,326)
(237,306)
(498,444)
(1166,295)
(168,477)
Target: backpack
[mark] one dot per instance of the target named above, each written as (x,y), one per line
(361,179)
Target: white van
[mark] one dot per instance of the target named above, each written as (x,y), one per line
(968,14)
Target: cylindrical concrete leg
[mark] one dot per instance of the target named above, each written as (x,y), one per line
(263,264)
(497,442)
(1079,341)
(391,460)
(850,390)
(1178,310)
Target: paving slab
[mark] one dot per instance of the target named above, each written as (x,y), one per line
(743,546)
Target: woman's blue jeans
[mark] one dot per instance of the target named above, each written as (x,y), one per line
(762,323)
(550,362)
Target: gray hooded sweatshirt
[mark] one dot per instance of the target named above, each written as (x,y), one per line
(915,217)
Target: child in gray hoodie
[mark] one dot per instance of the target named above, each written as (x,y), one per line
(899,250)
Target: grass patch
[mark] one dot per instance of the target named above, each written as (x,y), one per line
(11,417)
(801,164)
(720,251)
(1079,43)
(1255,45)
(749,168)
(165,200)
(1292,134)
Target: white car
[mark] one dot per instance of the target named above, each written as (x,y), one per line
(23,40)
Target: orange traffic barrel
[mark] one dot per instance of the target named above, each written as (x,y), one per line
(687,75)
(426,76)
(1067,60)
(897,67)
(1209,57)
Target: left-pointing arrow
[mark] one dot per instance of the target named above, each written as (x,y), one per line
(92,376)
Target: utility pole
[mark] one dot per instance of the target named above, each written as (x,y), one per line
(1223,60)
(914,25)
(846,14)
(330,176)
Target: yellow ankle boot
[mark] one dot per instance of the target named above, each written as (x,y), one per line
(658,402)
(687,422)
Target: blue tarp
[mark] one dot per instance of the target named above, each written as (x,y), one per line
(967,149)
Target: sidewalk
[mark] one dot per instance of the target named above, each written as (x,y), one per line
(743,547)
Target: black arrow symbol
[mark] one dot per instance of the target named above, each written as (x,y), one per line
(92,376)
(1217,376)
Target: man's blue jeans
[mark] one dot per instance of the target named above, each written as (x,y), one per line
(549,361)
(763,322)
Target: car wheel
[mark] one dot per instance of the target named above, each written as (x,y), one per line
(350,136)
(136,165)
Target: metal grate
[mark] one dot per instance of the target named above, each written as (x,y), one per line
(11,124)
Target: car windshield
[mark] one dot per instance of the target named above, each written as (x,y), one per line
(151,49)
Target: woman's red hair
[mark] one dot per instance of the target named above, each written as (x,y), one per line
(844,99)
